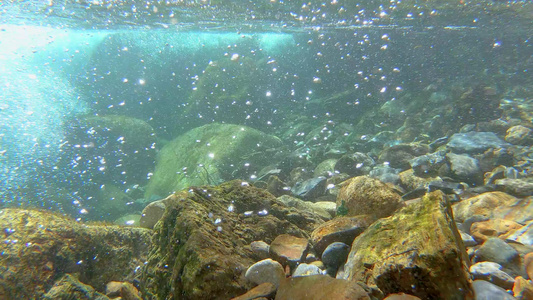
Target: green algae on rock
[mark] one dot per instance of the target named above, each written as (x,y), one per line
(210,154)
(418,251)
(201,247)
(40,247)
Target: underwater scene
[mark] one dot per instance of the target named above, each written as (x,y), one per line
(271,149)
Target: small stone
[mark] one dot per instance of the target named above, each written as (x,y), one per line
(497,251)
(521,187)
(320,287)
(340,229)
(311,188)
(112,289)
(288,249)
(468,240)
(326,168)
(266,290)
(335,255)
(267,270)
(519,135)
(492,272)
(319,264)
(475,142)
(485,290)
(528,264)
(522,235)
(129,292)
(311,257)
(522,289)
(464,168)
(481,231)
(260,248)
(306,270)
(328,206)
(69,287)
(152,213)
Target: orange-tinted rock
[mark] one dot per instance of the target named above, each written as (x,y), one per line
(288,249)
(340,229)
(481,231)
(266,290)
(483,204)
(364,195)
(520,212)
(522,289)
(528,264)
(519,135)
(401,296)
(319,287)
(418,251)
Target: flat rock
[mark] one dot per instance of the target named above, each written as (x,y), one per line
(475,142)
(266,290)
(481,231)
(306,206)
(288,249)
(464,168)
(311,188)
(201,245)
(424,256)
(340,229)
(267,270)
(429,164)
(364,195)
(522,235)
(468,240)
(401,296)
(520,212)
(521,187)
(485,290)
(482,205)
(319,287)
(492,272)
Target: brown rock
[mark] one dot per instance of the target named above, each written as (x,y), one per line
(277,187)
(129,292)
(520,212)
(260,249)
(528,264)
(520,187)
(522,289)
(319,287)
(364,195)
(201,246)
(418,251)
(340,229)
(266,290)
(69,287)
(401,296)
(288,249)
(410,181)
(481,231)
(483,204)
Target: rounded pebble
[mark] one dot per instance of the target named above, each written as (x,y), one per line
(267,270)
(306,270)
(335,254)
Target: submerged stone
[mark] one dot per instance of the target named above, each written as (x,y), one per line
(475,142)
(210,155)
(311,188)
(69,287)
(418,251)
(320,287)
(340,229)
(267,270)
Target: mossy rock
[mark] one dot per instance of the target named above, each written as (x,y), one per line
(418,251)
(210,154)
(40,247)
(201,247)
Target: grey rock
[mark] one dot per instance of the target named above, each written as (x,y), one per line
(429,164)
(485,290)
(310,188)
(335,255)
(492,272)
(517,187)
(468,240)
(306,270)
(355,164)
(475,142)
(464,168)
(267,270)
(498,251)
(260,249)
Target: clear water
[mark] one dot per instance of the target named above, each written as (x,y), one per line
(61,61)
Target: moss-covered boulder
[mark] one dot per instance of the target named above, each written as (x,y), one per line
(39,247)
(417,251)
(210,154)
(201,247)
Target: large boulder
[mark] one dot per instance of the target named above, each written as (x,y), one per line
(364,195)
(40,247)
(418,251)
(201,247)
(210,155)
